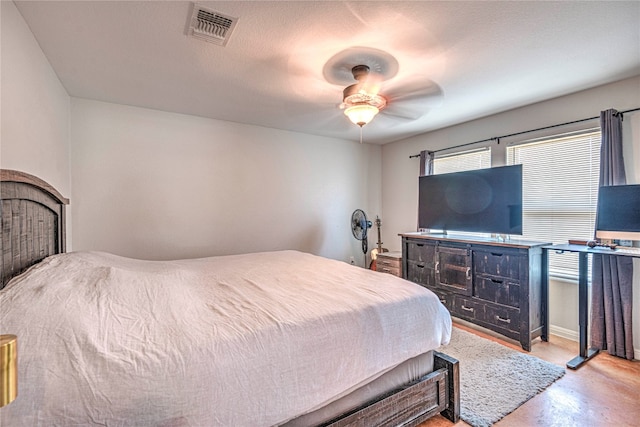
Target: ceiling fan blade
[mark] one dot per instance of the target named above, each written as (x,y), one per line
(387,121)
(404,110)
(331,118)
(412,88)
(413,99)
(337,122)
(308,84)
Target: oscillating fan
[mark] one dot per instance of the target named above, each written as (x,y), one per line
(359,227)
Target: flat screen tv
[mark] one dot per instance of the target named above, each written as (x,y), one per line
(618,213)
(482,200)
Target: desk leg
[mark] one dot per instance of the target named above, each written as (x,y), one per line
(583,314)
(545,295)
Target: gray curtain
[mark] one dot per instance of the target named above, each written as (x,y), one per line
(612,276)
(426,162)
(426,165)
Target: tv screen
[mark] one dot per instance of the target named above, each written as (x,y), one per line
(618,213)
(482,200)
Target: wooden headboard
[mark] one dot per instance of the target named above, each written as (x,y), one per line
(32,220)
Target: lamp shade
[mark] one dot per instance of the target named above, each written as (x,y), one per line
(361,114)
(8,369)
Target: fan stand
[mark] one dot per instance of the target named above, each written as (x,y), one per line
(365,247)
(359,226)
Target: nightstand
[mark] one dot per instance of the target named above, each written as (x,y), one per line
(390,262)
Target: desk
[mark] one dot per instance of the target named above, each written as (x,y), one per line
(583,289)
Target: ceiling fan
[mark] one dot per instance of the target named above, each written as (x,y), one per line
(320,77)
(379,87)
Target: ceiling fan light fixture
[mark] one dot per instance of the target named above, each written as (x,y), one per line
(361,114)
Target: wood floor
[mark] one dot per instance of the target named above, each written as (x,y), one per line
(603,392)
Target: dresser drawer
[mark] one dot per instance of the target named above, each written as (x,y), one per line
(421,273)
(467,308)
(386,260)
(390,262)
(503,317)
(446,298)
(497,263)
(391,270)
(421,252)
(499,290)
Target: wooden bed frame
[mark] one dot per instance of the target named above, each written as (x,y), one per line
(32,221)
(33,227)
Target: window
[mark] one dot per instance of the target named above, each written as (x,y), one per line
(463,161)
(560,191)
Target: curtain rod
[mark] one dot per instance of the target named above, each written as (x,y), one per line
(498,138)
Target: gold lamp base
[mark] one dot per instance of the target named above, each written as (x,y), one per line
(8,369)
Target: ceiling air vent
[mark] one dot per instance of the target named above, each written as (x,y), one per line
(211,26)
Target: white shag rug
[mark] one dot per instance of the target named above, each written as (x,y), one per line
(494,379)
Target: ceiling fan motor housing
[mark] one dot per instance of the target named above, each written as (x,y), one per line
(355,94)
(360,71)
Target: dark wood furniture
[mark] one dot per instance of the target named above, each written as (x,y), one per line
(489,282)
(33,227)
(433,394)
(583,252)
(32,222)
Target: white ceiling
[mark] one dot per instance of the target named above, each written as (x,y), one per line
(472,59)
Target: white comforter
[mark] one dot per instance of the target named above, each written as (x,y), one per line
(246,340)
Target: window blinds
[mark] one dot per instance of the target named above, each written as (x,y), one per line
(463,161)
(560,191)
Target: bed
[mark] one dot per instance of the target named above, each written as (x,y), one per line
(273,338)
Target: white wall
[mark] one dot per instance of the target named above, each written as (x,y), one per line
(34,126)
(400,183)
(157,185)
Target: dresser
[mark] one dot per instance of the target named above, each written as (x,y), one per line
(390,262)
(496,284)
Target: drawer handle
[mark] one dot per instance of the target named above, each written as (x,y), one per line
(496,281)
(503,320)
(438,267)
(495,254)
(468,273)
(420,244)
(470,309)
(420,265)
(443,301)
(386,270)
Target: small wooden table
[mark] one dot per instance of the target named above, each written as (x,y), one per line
(390,262)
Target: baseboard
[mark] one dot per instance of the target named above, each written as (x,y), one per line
(564,333)
(575,336)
